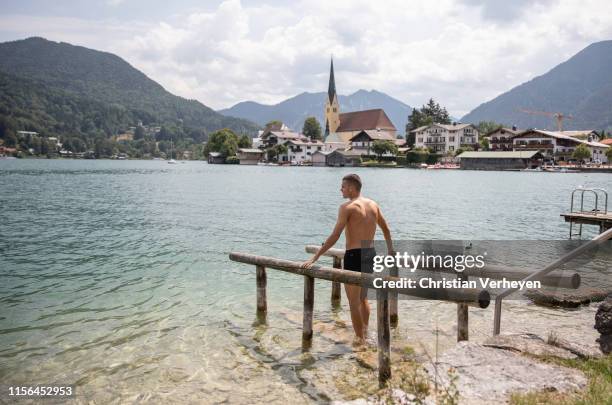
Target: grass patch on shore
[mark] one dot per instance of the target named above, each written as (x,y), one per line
(597,391)
(376,163)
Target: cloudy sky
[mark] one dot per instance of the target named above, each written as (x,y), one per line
(461,52)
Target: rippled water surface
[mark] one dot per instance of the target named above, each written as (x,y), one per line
(115,274)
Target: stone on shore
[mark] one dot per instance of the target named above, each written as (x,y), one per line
(566,298)
(487,374)
(528,343)
(553,346)
(603,324)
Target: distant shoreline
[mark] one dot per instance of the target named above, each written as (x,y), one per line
(607,169)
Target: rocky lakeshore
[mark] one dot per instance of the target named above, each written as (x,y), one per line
(514,367)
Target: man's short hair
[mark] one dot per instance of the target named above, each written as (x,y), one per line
(354,180)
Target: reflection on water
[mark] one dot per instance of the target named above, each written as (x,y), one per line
(115,276)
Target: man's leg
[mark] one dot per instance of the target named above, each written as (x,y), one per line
(365,314)
(353,293)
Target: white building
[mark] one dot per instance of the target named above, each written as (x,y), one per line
(501,138)
(557,145)
(300,151)
(272,138)
(364,141)
(445,138)
(21,134)
(262,134)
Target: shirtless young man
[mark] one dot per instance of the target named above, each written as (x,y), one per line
(359,216)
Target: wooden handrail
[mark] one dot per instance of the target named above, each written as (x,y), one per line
(384,311)
(476,297)
(571,280)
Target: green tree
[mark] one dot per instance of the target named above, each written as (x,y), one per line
(10,140)
(36,145)
(437,113)
(74,145)
(418,155)
(245,141)
(103,147)
(463,149)
(44,146)
(382,147)
(312,128)
(609,155)
(139,133)
(224,141)
(581,153)
(485,127)
(273,123)
(428,114)
(484,143)
(275,151)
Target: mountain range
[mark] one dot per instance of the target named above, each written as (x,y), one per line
(580,87)
(295,110)
(62,89)
(58,88)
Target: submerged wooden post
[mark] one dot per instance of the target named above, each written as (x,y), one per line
(262,305)
(393,317)
(308,311)
(336,294)
(462,317)
(384,337)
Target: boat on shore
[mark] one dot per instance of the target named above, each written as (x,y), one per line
(557,169)
(439,166)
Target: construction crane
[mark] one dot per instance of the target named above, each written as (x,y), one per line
(557,115)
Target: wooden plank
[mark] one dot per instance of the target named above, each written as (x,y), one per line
(336,287)
(471,296)
(308,312)
(589,215)
(393,314)
(333,252)
(384,338)
(262,304)
(560,280)
(601,220)
(462,318)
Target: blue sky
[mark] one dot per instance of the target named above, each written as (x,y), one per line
(461,52)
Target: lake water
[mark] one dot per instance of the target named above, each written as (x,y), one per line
(115,274)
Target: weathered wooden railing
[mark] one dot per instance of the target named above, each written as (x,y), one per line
(386,301)
(570,280)
(468,296)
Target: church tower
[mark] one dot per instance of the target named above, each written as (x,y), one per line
(332,108)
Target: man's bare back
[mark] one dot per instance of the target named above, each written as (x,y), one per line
(358,218)
(362,219)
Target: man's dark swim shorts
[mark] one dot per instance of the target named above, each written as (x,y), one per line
(361,260)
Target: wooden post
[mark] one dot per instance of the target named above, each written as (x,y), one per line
(308,312)
(262,305)
(393,316)
(384,337)
(335,294)
(462,317)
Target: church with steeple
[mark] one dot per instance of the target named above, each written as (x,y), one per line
(332,107)
(342,127)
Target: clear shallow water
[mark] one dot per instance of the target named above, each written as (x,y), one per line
(115,275)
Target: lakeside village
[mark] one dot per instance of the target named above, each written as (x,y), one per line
(359,138)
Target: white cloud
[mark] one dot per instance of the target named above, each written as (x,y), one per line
(459,52)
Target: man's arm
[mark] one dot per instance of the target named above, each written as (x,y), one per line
(382,223)
(332,239)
